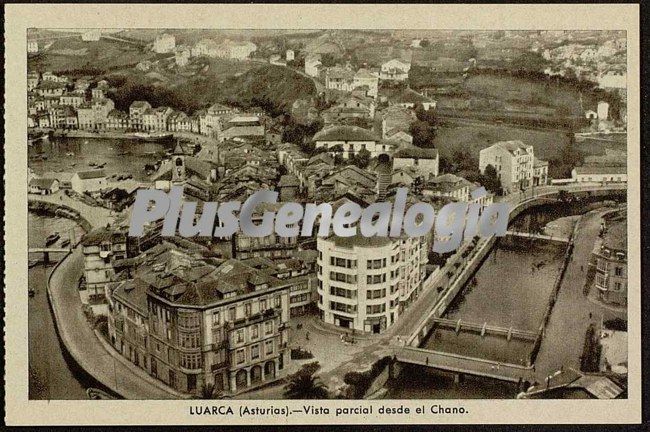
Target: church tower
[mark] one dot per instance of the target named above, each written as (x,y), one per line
(178,164)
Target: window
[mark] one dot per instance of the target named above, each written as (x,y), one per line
(232,313)
(190,340)
(255,331)
(374,309)
(277,301)
(240,336)
(618,271)
(191,361)
(375,279)
(269,346)
(247,309)
(268,327)
(342,292)
(617,286)
(241,356)
(255,351)
(216,319)
(263,305)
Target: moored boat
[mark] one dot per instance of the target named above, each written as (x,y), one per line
(52,238)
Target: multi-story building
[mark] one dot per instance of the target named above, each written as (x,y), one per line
(364,78)
(74,99)
(366,283)
(448,185)
(540,172)
(101,248)
(610,256)
(201,322)
(513,162)
(136,111)
(155,119)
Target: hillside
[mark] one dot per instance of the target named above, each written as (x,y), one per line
(275,88)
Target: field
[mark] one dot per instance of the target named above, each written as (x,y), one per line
(548,144)
(73,53)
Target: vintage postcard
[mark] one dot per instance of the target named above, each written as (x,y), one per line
(289,214)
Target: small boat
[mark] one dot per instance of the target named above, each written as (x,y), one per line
(31,291)
(32,263)
(69,154)
(52,238)
(65,243)
(92,164)
(101,165)
(86,142)
(73,164)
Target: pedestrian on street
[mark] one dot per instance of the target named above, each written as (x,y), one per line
(427,361)
(582,268)
(307,335)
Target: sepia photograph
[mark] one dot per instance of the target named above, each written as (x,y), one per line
(223,216)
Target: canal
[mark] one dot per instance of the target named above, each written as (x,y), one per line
(508,292)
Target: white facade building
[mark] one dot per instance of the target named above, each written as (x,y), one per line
(513,162)
(365,283)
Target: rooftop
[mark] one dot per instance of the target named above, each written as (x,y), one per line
(345,133)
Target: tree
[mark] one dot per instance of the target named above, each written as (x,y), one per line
(361,159)
(209,391)
(304,385)
(425,43)
(490,179)
(423,134)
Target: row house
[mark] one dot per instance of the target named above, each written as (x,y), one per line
(155,119)
(395,70)
(101,248)
(74,99)
(32,80)
(178,121)
(49,76)
(137,109)
(117,120)
(50,89)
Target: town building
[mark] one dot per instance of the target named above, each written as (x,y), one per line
(88,181)
(350,140)
(610,256)
(202,323)
(101,248)
(513,162)
(313,65)
(395,70)
(600,173)
(43,186)
(540,172)
(366,283)
(137,109)
(32,46)
(425,161)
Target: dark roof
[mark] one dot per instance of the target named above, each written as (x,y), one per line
(345,133)
(101,235)
(416,152)
(43,183)
(92,174)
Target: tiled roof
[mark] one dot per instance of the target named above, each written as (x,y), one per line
(345,133)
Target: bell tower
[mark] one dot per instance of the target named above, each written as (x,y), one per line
(178,164)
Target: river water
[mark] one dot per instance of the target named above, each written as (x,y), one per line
(53,374)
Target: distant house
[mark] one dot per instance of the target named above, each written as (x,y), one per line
(91,35)
(32,46)
(448,185)
(350,140)
(289,186)
(425,161)
(88,181)
(313,65)
(540,172)
(395,70)
(43,186)
(513,162)
(600,173)
(290,55)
